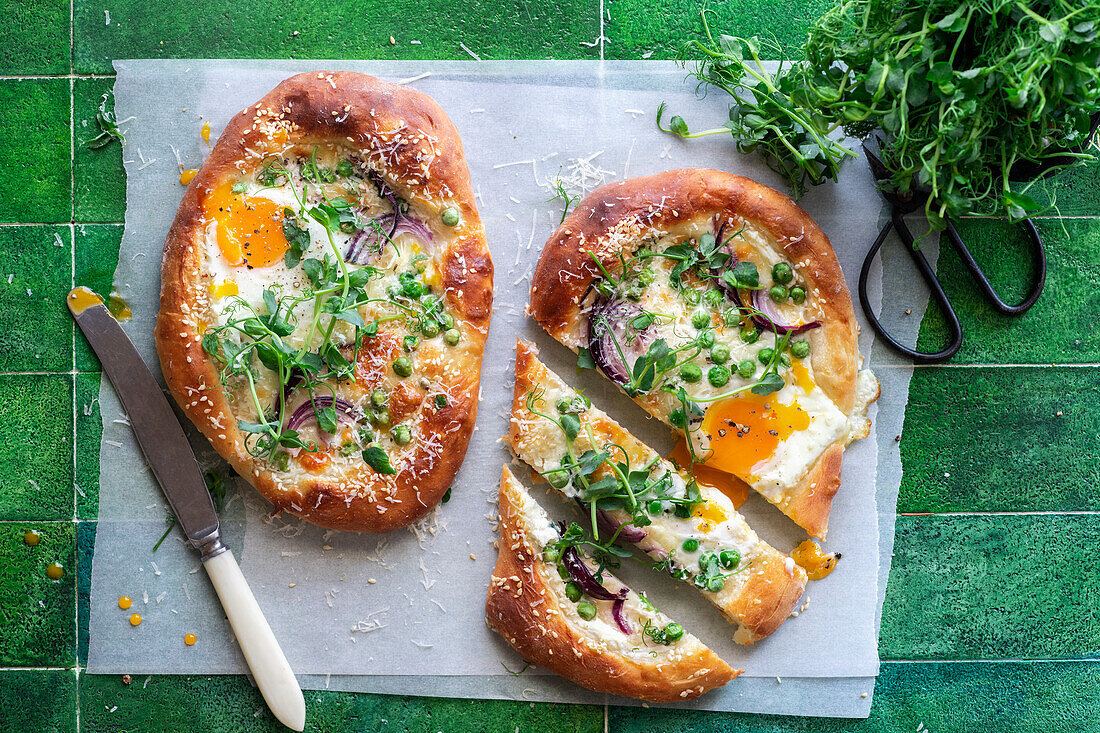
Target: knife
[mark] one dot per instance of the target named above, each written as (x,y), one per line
(169,455)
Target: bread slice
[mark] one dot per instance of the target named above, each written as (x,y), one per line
(527,605)
(611,280)
(759,585)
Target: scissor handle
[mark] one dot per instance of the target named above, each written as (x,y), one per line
(954,328)
(1038,252)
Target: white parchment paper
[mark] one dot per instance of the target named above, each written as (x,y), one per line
(403,613)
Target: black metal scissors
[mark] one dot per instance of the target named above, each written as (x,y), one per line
(902,204)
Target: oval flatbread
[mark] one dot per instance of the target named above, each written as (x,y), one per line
(326,294)
(719,306)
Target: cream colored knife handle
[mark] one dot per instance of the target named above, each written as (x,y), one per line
(261,649)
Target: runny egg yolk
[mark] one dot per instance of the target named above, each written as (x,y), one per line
(745,431)
(733,487)
(250,230)
(223,289)
(802,376)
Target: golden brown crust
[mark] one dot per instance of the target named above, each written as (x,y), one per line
(603,223)
(773,584)
(523,610)
(407,136)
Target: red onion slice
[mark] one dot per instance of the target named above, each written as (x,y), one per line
(345,413)
(609,323)
(583,577)
(617,613)
(628,532)
(367,243)
(773,321)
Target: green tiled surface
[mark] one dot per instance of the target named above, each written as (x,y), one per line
(37,181)
(98,176)
(37,614)
(232,704)
(935,697)
(970,582)
(35,335)
(1004,439)
(310,29)
(36,465)
(1006,586)
(1059,328)
(38,700)
(36,36)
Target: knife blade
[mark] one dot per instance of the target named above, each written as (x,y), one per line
(173,463)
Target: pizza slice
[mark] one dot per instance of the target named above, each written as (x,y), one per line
(719,306)
(561,609)
(630,493)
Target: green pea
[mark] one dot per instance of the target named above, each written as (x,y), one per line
(798,294)
(563,573)
(676,417)
(691,544)
(691,373)
(378,398)
(281,460)
(573,592)
(394,290)
(706,339)
(750,335)
(410,342)
(402,366)
(712,297)
(563,406)
(402,435)
(784,360)
(778,293)
(646,276)
(782,273)
(800,349)
(706,241)
(674,631)
(654,507)
(729,558)
(731,317)
(551,554)
(380,417)
(451,336)
(558,479)
(765,355)
(344,168)
(692,296)
(746,368)
(714,585)
(446,321)
(450,216)
(700,319)
(718,375)
(720,353)
(586,610)
(240,187)
(429,328)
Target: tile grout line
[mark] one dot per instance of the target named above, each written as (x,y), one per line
(72,284)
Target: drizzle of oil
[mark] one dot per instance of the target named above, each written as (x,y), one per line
(31,538)
(125,602)
(190,640)
(54,571)
(135,619)
(81,299)
(119,308)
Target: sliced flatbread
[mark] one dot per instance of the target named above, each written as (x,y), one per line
(623,646)
(719,306)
